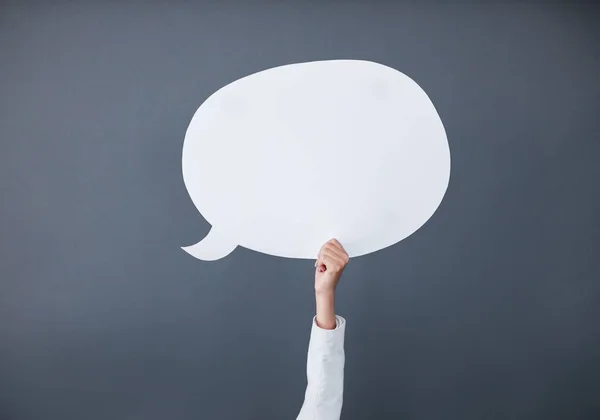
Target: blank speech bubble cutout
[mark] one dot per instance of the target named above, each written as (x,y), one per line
(285,159)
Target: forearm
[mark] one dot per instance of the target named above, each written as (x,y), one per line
(324,394)
(325,303)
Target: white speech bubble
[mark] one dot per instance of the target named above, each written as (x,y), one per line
(285,159)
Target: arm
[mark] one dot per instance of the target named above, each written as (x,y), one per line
(325,366)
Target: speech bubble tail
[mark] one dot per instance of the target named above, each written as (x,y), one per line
(213,247)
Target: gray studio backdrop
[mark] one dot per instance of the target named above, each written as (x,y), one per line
(491,311)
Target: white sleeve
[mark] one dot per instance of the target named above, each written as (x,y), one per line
(325,373)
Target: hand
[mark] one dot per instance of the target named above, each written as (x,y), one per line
(330,265)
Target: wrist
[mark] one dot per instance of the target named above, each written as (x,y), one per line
(325,297)
(326,309)
(324,291)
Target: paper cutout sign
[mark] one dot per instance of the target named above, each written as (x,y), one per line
(285,159)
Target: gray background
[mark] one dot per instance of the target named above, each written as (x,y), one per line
(490,311)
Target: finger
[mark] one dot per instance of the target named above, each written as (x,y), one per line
(318,262)
(331,260)
(332,253)
(339,253)
(328,254)
(320,266)
(338,247)
(336,243)
(336,254)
